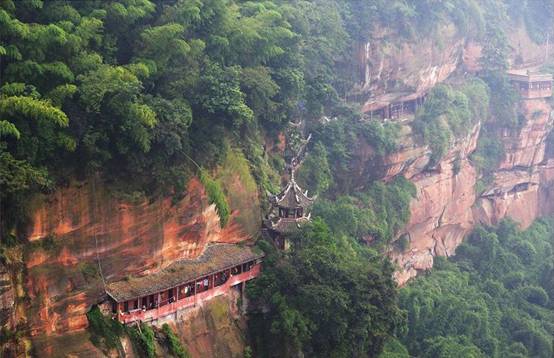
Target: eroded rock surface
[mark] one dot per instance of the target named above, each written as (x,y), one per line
(446,207)
(441,212)
(82,233)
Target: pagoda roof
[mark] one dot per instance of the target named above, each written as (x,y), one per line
(216,257)
(288,225)
(292,196)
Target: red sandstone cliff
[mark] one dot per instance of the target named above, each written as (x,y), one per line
(441,212)
(446,207)
(85,221)
(7,299)
(519,183)
(82,225)
(386,64)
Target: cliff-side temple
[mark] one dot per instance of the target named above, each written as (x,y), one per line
(289,210)
(184,284)
(530,84)
(393,105)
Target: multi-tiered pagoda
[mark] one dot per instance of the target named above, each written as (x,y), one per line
(290,209)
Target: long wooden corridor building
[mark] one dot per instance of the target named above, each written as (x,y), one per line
(393,105)
(183,284)
(531,84)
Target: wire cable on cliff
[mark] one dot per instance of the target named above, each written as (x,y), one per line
(95,208)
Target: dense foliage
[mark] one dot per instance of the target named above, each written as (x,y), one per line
(133,89)
(536,14)
(450,113)
(493,299)
(375,214)
(329,296)
(328,167)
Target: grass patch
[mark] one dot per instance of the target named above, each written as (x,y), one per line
(450,113)
(175,346)
(241,190)
(216,196)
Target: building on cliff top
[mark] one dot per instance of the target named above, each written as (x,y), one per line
(530,84)
(184,284)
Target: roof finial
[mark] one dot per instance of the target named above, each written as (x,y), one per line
(292,168)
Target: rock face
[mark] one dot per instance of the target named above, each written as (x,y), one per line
(387,65)
(441,212)
(212,330)
(520,182)
(446,207)
(82,233)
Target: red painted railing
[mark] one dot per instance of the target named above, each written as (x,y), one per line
(171,308)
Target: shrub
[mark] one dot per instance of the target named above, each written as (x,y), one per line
(315,172)
(379,212)
(175,346)
(457,166)
(143,340)
(449,112)
(104,332)
(216,196)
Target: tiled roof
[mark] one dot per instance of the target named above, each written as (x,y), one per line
(288,225)
(217,257)
(292,197)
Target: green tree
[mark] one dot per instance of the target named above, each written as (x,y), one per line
(329,297)
(489,301)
